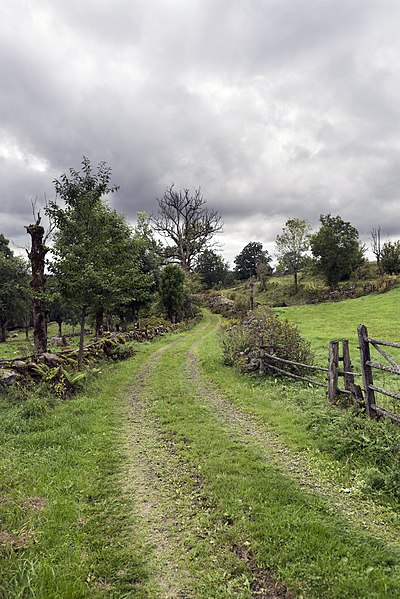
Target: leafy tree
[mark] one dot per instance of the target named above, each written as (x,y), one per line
(139,277)
(211,269)
(337,249)
(183,219)
(13,287)
(60,310)
(86,240)
(390,257)
(172,290)
(292,245)
(249,258)
(5,250)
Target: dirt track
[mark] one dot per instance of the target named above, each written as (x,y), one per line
(169,494)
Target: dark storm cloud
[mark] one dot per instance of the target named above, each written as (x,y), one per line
(276,109)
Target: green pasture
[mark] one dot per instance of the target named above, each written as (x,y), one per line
(321,323)
(20,346)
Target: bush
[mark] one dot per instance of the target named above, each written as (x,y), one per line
(241,342)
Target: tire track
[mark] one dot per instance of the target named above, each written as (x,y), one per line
(153,471)
(305,470)
(169,517)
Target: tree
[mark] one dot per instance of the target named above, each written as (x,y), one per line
(390,257)
(211,269)
(376,247)
(183,219)
(337,249)
(263,270)
(249,258)
(84,241)
(172,290)
(37,255)
(13,287)
(292,246)
(139,277)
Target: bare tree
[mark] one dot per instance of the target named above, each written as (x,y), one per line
(376,246)
(183,219)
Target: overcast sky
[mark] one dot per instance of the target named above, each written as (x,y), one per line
(276,108)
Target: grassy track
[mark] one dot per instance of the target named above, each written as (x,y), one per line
(290,530)
(173,476)
(66,526)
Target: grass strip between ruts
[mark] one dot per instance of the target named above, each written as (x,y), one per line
(290,530)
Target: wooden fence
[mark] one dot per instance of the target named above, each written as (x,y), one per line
(333,372)
(368,366)
(339,365)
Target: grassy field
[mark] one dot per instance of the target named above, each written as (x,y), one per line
(17,347)
(210,501)
(322,323)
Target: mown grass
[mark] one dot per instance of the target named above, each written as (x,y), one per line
(289,530)
(65,515)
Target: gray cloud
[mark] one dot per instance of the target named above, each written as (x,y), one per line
(276,109)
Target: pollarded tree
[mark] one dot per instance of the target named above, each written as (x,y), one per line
(292,245)
(211,269)
(183,219)
(249,258)
(337,249)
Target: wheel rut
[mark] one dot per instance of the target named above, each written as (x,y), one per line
(169,502)
(304,469)
(155,470)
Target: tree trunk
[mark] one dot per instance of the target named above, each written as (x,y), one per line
(38,285)
(123,324)
(3,331)
(99,323)
(296,284)
(26,327)
(60,328)
(262,281)
(81,338)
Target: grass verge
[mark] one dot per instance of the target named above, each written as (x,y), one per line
(65,515)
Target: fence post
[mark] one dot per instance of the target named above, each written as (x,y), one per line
(366,370)
(251,295)
(333,367)
(261,369)
(347,367)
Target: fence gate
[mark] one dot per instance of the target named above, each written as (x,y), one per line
(367,366)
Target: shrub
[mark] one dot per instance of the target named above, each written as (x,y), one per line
(242,341)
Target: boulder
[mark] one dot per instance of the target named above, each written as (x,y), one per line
(7,377)
(52,360)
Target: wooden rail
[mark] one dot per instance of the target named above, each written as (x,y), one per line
(368,365)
